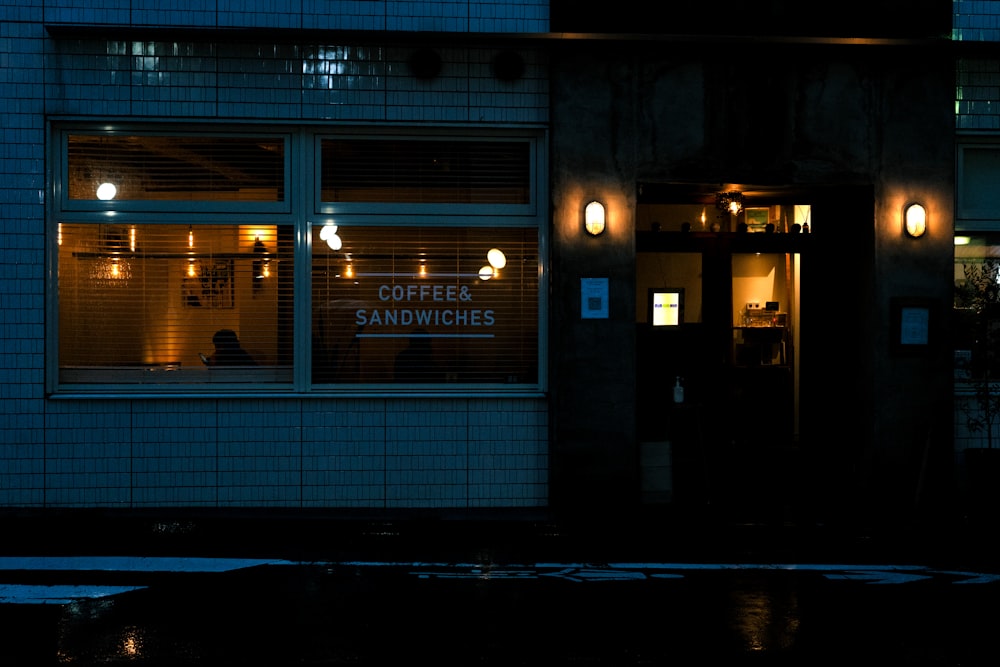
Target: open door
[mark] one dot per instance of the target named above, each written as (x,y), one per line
(734,349)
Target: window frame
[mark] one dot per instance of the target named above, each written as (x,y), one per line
(301,208)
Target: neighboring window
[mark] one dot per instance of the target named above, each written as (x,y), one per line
(185,261)
(977,307)
(425,304)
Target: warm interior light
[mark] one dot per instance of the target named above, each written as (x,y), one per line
(349,271)
(190,236)
(486,272)
(422,270)
(731,202)
(593,218)
(106,191)
(328,233)
(496,258)
(915,220)
(191,270)
(963,240)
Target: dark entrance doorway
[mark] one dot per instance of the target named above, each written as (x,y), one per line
(753,337)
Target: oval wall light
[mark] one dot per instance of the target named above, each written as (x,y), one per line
(914,220)
(594,219)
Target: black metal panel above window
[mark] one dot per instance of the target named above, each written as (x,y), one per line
(757,18)
(438,171)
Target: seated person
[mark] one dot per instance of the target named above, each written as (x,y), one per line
(415,363)
(228,351)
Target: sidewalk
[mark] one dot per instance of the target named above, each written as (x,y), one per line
(659,533)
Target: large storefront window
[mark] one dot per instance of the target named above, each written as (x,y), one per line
(169,303)
(185,262)
(438,305)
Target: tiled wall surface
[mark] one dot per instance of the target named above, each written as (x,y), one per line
(977,95)
(482,16)
(975,20)
(215,452)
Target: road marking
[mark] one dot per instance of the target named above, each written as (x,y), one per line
(130,563)
(60,594)
(67,593)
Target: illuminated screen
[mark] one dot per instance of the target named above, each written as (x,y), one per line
(666,307)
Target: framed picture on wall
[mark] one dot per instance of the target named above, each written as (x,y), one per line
(756,219)
(210,286)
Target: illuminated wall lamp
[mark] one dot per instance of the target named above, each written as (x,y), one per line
(914,220)
(594,219)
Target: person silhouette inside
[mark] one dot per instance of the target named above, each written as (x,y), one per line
(228,351)
(415,362)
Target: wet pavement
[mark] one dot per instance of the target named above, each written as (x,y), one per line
(142,590)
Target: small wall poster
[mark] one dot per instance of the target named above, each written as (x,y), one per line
(914,326)
(594,298)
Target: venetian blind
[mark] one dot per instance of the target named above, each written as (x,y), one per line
(141,303)
(425,171)
(424,304)
(196,168)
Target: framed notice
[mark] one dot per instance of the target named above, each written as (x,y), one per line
(594,298)
(913,324)
(665,306)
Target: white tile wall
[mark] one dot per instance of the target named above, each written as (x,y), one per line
(207,452)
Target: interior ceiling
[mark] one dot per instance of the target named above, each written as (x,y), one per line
(704,193)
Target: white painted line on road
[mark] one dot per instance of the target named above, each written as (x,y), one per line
(66,593)
(60,594)
(130,563)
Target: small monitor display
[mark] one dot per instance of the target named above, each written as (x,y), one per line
(666,306)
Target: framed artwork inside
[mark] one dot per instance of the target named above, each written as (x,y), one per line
(211,286)
(756,219)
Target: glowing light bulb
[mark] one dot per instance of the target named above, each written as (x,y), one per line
(106,191)
(496,258)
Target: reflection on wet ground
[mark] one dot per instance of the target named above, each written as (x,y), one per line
(162,611)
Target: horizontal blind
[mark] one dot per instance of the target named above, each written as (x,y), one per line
(423,304)
(141,303)
(425,171)
(196,168)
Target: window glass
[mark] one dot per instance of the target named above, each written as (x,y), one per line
(427,171)
(182,261)
(424,305)
(167,303)
(194,168)
(977,306)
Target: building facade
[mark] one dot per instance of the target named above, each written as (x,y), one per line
(383,205)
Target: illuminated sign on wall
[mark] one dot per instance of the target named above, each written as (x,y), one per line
(666,306)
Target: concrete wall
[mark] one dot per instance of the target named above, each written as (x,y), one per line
(847,121)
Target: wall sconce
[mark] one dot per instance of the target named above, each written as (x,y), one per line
(731,202)
(594,219)
(914,220)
